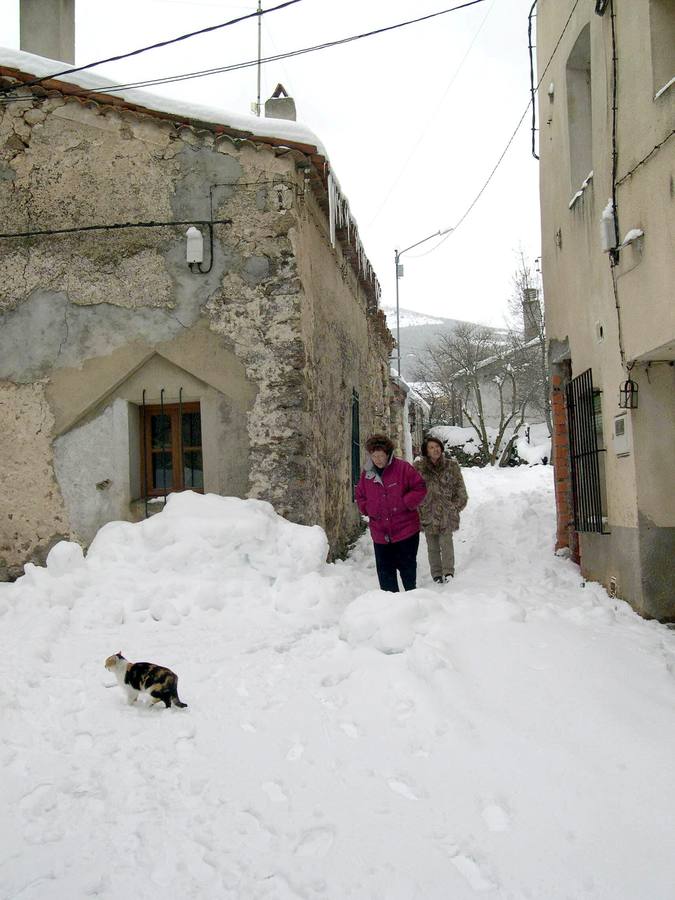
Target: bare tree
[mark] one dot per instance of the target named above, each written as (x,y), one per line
(444,404)
(479,367)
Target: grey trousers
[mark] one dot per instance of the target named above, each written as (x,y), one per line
(441,553)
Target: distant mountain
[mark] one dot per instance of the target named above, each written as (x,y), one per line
(418,330)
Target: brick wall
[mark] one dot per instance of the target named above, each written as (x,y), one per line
(566,536)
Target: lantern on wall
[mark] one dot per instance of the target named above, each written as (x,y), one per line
(628,394)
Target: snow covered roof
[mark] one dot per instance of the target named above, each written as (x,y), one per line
(26,67)
(407,388)
(87,87)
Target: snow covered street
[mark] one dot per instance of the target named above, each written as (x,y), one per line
(509,734)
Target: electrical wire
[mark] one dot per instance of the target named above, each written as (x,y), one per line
(424,131)
(508,143)
(558,42)
(645,158)
(182,37)
(115,226)
(496,166)
(187,76)
(532,90)
(401,25)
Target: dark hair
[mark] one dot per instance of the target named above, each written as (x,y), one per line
(430,439)
(379,442)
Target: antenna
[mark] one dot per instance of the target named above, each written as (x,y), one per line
(256,107)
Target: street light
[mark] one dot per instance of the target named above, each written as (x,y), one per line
(399,274)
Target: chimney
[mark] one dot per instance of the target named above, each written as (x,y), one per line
(47,28)
(531,314)
(280,105)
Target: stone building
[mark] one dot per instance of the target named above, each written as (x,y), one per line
(409,417)
(128,367)
(606,113)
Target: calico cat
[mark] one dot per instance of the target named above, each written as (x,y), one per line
(147,678)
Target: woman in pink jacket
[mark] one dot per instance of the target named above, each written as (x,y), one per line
(389,492)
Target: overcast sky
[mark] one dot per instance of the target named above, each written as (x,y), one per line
(413,121)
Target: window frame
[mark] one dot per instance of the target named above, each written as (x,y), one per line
(173,411)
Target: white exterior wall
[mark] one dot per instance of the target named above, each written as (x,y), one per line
(581,299)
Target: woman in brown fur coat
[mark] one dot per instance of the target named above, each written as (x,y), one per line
(439,512)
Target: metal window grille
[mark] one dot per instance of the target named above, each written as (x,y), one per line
(584,421)
(171,447)
(356,442)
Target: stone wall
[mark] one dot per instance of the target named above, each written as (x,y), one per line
(347,348)
(270,341)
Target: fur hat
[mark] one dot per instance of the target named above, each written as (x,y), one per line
(379,442)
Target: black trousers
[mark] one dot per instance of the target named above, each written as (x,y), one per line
(400,556)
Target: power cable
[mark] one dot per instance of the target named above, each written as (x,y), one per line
(496,166)
(113,88)
(533,89)
(557,44)
(646,158)
(182,37)
(424,131)
(380,31)
(508,143)
(48,232)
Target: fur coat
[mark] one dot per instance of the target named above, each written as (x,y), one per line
(446,494)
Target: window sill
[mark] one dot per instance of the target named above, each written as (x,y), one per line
(580,193)
(664,89)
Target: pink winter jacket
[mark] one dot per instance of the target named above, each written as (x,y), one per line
(390,501)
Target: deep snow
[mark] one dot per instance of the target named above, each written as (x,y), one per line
(508,734)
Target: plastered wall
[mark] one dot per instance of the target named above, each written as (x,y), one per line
(88,321)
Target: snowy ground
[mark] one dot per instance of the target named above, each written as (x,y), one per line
(510,734)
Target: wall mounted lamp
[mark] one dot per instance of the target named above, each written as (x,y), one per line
(628,395)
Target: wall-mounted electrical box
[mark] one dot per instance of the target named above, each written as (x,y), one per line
(622,438)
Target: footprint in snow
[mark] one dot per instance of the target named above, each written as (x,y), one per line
(38,801)
(470,870)
(400,787)
(83,741)
(404,709)
(350,729)
(315,842)
(295,752)
(496,817)
(274,792)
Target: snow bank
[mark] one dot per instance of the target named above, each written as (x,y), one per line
(505,734)
(533,443)
(387,623)
(200,553)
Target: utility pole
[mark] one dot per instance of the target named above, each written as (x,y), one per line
(399,274)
